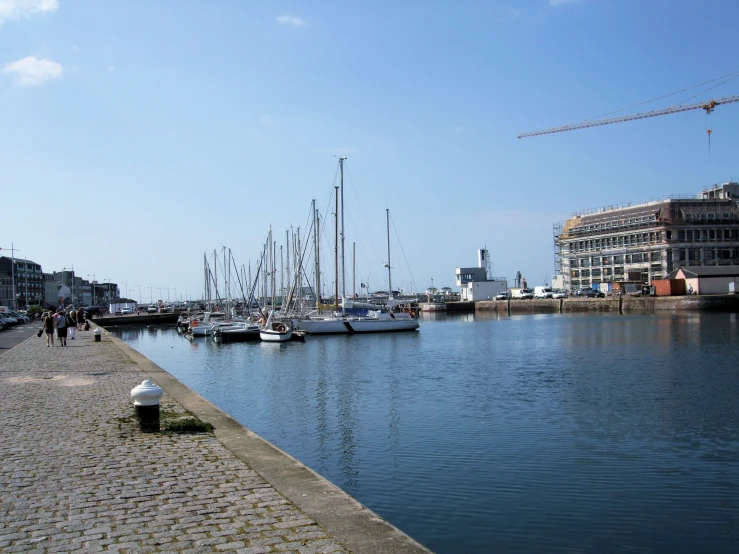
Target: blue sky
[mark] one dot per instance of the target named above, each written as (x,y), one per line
(136,135)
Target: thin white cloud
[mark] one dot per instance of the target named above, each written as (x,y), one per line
(561,2)
(290,20)
(266,119)
(514,13)
(31,72)
(15,9)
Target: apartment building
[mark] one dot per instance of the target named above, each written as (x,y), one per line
(644,242)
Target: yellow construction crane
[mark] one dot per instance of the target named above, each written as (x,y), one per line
(708,106)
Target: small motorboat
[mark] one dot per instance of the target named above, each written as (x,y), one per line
(245,332)
(276,332)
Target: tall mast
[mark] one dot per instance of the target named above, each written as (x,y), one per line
(271,271)
(299,272)
(389,278)
(316,252)
(354,270)
(287,255)
(336,248)
(215,269)
(225,283)
(282,277)
(343,272)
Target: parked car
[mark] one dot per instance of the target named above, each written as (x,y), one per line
(125,311)
(503,295)
(559,293)
(20,317)
(8,319)
(91,310)
(589,292)
(152,309)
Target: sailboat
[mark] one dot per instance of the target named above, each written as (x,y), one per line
(274,331)
(377,320)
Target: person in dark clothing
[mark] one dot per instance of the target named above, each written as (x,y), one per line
(48,321)
(62,322)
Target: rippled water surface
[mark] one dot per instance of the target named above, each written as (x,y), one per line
(543,433)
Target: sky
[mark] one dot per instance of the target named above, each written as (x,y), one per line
(135,136)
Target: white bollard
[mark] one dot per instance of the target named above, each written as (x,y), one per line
(98,334)
(146,398)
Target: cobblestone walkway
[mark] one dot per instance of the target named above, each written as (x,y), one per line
(76,474)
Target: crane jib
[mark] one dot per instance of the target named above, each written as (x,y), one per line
(707,106)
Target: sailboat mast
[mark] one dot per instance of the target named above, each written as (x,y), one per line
(336,248)
(215,270)
(287,255)
(299,272)
(343,272)
(225,282)
(317,254)
(354,270)
(389,277)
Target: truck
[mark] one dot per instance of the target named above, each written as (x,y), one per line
(122,308)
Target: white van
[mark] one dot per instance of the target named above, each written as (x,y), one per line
(543,292)
(521,294)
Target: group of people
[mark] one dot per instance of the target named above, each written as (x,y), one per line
(64,324)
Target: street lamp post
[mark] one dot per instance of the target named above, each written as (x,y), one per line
(151,296)
(139,293)
(93,283)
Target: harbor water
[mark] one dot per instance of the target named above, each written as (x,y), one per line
(543,433)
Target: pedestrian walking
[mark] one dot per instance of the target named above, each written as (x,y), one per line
(48,321)
(72,324)
(62,323)
(80,318)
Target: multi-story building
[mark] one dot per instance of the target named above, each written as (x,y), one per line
(51,290)
(28,280)
(647,241)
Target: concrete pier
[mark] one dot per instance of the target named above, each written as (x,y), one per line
(77,473)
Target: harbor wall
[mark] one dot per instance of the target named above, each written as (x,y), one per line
(460,306)
(133,319)
(614,304)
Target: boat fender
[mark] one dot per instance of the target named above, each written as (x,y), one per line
(194,323)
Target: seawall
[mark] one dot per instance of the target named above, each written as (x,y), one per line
(626,304)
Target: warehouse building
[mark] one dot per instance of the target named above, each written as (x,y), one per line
(648,241)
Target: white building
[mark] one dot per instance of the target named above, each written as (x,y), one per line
(475,283)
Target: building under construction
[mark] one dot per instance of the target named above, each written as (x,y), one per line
(648,241)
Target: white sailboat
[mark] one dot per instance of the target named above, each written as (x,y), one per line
(379,320)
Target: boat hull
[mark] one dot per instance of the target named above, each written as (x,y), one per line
(268,335)
(345,326)
(240,335)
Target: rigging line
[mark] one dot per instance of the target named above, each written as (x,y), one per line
(367,232)
(711,88)
(664,96)
(403,251)
(370,235)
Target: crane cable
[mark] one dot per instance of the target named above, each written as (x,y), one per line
(732,75)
